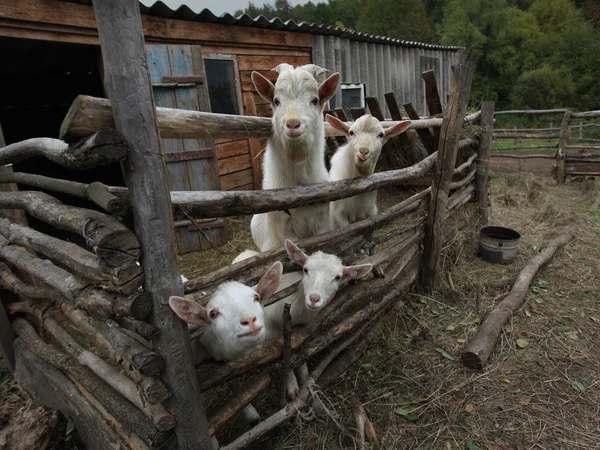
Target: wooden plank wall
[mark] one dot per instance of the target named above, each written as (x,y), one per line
(239,161)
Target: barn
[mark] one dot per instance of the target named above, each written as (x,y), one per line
(50,54)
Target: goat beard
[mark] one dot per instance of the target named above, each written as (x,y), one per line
(364,169)
(297,152)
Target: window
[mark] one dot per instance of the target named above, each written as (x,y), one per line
(222,79)
(353,96)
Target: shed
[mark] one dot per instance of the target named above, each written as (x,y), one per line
(50,54)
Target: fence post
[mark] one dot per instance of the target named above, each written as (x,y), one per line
(483,159)
(462,75)
(561,153)
(127,83)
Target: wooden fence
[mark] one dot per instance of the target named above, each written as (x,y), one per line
(573,155)
(94,335)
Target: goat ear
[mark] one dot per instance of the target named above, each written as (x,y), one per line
(355,272)
(189,311)
(328,87)
(264,87)
(294,252)
(337,124)
(269,282)
(397,129)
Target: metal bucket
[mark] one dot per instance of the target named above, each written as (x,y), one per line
(498,245)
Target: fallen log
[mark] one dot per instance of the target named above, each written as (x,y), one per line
(117,406)
(97,193)
(101,148)
(112,241)
(89,114)
(479,349)
(126,279)
(111,375)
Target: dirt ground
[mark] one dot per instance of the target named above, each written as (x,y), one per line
(544,394)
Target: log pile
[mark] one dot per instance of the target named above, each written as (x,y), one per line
(88,341)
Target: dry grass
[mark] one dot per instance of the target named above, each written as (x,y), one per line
(545,396)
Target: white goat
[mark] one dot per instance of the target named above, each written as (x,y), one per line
(322,276)
(295,153)
(234,322)
(358,158)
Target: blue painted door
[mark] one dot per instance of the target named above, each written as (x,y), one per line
(176,72)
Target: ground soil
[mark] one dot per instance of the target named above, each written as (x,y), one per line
(545,395)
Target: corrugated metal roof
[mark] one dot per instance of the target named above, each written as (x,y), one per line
(159,9)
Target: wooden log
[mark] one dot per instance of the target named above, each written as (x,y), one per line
(460,197)
(114,244)
(392,105)
(98,302)
(468,162)
(10,281)
(153,389)
(531,111)
(526,136)
(364,227)
(118,407)
(522,156)
(126,279)
(561,153)
(427,138)
(286,353)
(586,115)
(582,147)
(48,386)
(88,114)
(137,355)
(462,74)
(126,77)
(95,192)
(140,327)
(483,160)
(112,376)
(234,203)
(375,108)
(498,131)
(432,98)
(480,347)
(100,149)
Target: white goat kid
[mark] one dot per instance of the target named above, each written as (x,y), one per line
(234,321)
(322,276)
(358,158)
(295,153)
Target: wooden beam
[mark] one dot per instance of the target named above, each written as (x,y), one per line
(531,111)
(127,77)
(483,160)
(427,138)
(392,104)
(375,108)
(90,114)
(462,75)
(561,153)
(432,96)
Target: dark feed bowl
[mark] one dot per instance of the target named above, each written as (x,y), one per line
(498,245)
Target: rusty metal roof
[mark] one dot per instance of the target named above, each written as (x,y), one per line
(159,9)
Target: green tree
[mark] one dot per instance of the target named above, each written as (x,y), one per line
(543,88)
(401,19)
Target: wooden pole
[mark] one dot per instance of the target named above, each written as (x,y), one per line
(127,83)
(432,96)
(561,153)
(483,160)
(462,74)
(427,138)
(479,349)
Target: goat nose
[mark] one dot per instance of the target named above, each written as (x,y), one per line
(363,150)
(314,298)
(293,124)
(248,321)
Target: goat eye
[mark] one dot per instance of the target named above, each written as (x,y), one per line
(380,136)
(315,101)
(306,271)
(213,314)
(338,278)
(256,297)
(277,102)
(352,133)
